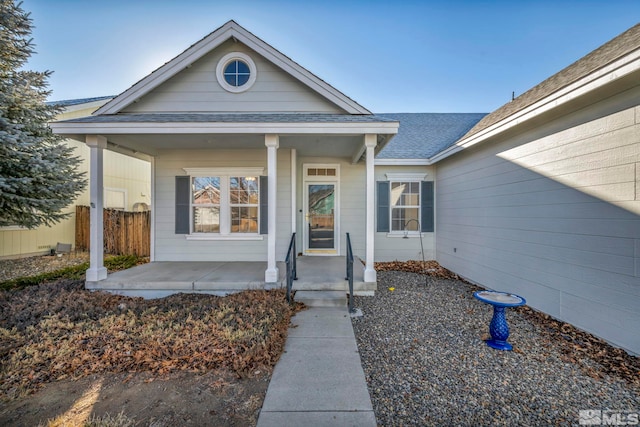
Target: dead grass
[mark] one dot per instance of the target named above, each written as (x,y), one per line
(59,330)
(430,268)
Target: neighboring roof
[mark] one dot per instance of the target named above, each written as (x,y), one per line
(231,118)
(231,30)
(422,135)
(70,102)
(599,58)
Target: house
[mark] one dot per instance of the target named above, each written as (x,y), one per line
(126,186)
(250,152)
(542,197)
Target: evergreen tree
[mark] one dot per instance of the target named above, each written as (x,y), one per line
(39,174)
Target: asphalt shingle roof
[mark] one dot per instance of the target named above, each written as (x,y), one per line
(423,135)
(231,118)
(69,102)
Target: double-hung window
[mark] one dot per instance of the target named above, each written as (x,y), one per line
(405,203)
(244,202)
(405,206)
(205,201)
(221,202)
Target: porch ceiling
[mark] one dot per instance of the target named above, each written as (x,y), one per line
(306,145)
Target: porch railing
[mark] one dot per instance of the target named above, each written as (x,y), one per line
(290,261)
(350,272)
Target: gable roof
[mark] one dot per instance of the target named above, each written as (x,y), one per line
(230,30)
(423,135)
(616,48)
(70,102)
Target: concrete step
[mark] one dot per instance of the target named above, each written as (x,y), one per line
(303,284)
(322,298)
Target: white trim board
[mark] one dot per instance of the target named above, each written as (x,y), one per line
(147,128)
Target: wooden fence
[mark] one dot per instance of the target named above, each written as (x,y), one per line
(125,233)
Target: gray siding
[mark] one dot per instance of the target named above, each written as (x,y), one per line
(175,247)
(553,215)
(196,89)
(394,248)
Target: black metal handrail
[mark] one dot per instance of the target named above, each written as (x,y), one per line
(290,261)
(350,272)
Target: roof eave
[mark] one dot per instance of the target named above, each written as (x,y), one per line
(114,128)
(614,71)
(403,162)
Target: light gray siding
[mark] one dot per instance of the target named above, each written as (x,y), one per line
(196,89)
(392,246)
(175,247)
(552,214)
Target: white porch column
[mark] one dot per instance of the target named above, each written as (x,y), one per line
(370,141)
(294,178)
(272,142)
(152,242)
(96,270)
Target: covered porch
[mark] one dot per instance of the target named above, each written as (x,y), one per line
(159,279)
(288,168)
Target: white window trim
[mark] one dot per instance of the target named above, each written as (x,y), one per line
(331,178)
(116,190)
(410,234)
(222,64)
(225,206)
(214,236)
(406,177)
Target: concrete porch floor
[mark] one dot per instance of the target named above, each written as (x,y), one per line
(159,279)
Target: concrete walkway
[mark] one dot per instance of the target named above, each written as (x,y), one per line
(318,380)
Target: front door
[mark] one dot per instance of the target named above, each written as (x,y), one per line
(321,204)
(321,217)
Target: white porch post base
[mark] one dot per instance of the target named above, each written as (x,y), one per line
(370,142)
(272,142)
(96,271)
(370,275)
(96,274)
(271,275)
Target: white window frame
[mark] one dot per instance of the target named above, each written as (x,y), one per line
(236,56)
(225,203)
(320,179)
(115,190)
(405,177)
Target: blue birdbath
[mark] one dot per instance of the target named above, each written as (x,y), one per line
(498,327)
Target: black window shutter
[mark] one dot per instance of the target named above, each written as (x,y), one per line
(183,196)
(383,206)
(427,205)
(264,203)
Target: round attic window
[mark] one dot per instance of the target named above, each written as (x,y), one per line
(236,72)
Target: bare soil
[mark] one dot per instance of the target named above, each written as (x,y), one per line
(214,398)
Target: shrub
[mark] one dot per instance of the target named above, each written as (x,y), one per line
(115,263)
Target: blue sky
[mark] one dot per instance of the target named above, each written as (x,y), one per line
(390,56)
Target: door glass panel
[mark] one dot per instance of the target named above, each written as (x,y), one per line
(321,216)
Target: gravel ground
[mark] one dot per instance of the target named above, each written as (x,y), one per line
(425,362)
(23,267)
